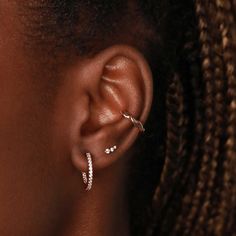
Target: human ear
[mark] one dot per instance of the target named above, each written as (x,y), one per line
(115,80)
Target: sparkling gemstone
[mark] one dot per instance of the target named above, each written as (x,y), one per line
(107,151)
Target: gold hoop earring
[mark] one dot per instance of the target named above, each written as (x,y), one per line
(88,179)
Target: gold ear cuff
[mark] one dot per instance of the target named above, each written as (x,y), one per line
(136,123)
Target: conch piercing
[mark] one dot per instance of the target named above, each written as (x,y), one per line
(88,180)
(110,150)
(136,123)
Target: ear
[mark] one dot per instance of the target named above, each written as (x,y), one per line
(117,79)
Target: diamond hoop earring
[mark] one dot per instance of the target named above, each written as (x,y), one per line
(136,123)
(88,180)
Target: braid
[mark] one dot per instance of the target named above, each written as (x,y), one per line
(175,147)
(209,206)
(203,204)
(228,191)
(198,120)
(203,214)
(203,177)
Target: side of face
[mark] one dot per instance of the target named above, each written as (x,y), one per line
(32,183)
(49,119)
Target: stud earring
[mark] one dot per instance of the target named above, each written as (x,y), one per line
(136,123)
(110,150)
(88,179)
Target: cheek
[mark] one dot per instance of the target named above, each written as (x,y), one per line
(35,181)
(30,193)
(24,194)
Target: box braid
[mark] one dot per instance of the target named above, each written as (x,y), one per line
(211,206)
(212,203)
(205,180)
(213,140)
(177,123)
(191,137)
(219,110)
(227,29)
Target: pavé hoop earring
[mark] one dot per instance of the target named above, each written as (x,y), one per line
(136,123)
(88,179)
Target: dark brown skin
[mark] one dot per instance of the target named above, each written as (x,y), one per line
(46,128)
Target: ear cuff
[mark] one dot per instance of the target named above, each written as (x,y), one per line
(88,179)
(136,123)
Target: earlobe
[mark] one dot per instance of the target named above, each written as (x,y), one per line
(120,97)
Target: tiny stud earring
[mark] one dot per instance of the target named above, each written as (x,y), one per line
(136,123)
(88,179)
(110,150)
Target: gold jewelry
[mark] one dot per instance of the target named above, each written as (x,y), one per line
(136,123)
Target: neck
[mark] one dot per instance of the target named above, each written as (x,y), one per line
(103,211)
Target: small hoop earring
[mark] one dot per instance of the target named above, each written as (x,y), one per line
(136,123)
(88,180)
